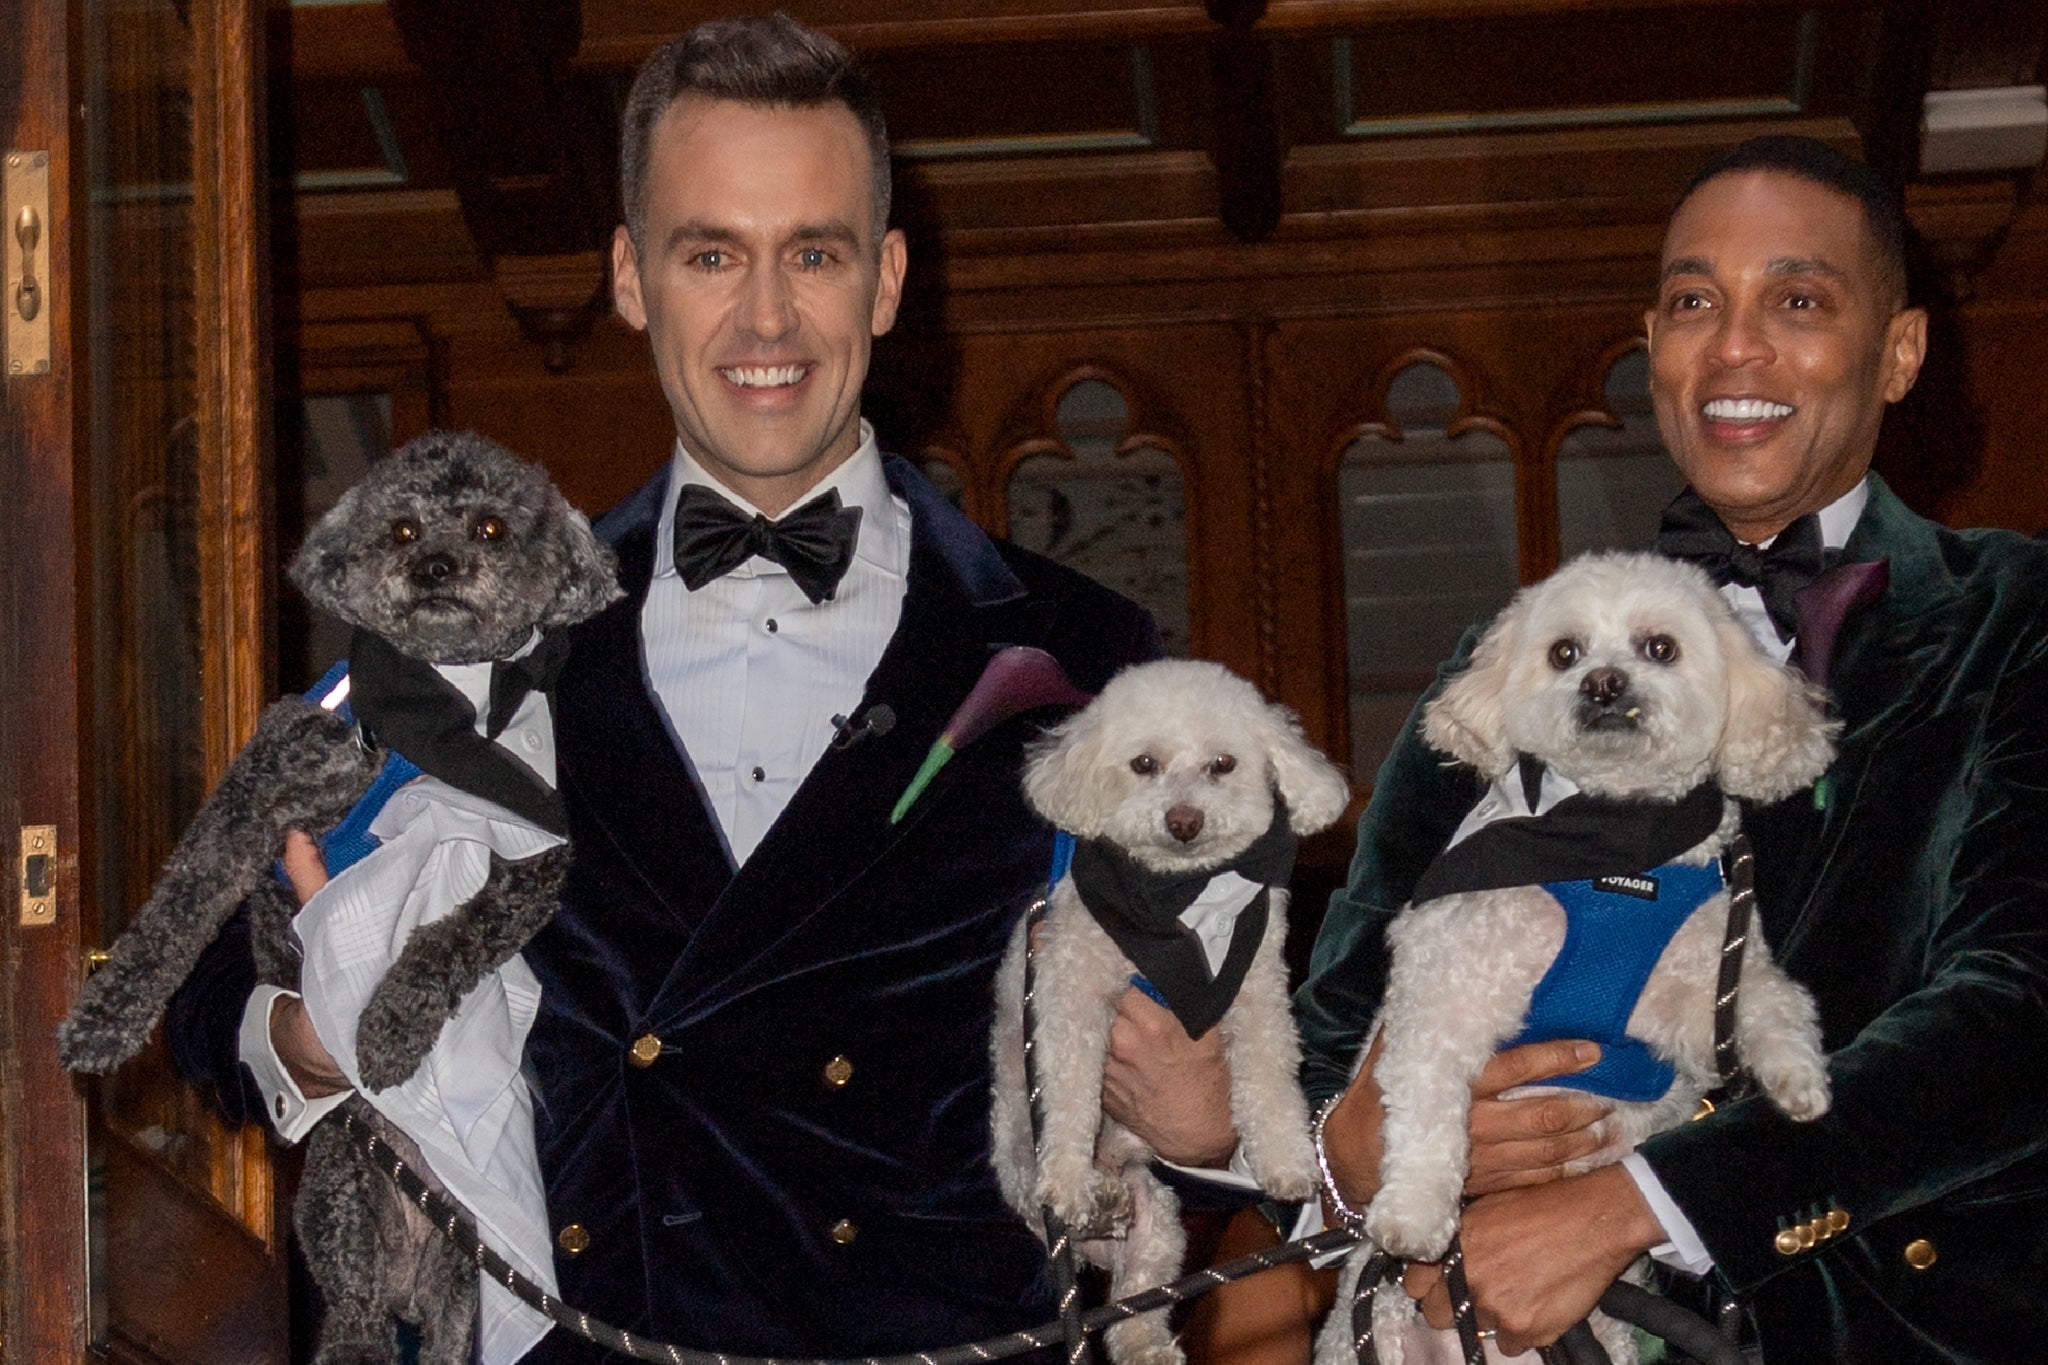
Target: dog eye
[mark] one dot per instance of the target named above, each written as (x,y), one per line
(1564,654)
(487,528)
(1144,765)
(1659,649)
(405,531)
(1221,764)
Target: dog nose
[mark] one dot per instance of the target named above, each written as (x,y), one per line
(1604,685)
(1184,822)
(429,570)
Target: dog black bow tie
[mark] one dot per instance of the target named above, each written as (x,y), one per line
(1692,531)
(512,679)
(815,542)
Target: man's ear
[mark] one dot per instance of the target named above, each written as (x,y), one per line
(889,286)
(626,280)
(1905,345)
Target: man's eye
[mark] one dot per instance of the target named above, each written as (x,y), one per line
(1687,303)
(709,260)
(812,258)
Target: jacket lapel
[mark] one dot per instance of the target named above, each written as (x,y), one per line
(618,764)
(961,603)
(1876,687)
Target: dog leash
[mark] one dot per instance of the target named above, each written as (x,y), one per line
(1064,1256)
(455,1223)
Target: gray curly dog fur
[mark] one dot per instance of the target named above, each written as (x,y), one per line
(406,554)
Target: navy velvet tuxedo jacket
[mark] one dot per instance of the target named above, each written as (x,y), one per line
(802,1166)
(1915,908)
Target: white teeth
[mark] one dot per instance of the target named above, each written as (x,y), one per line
(1744,410)
(764,376)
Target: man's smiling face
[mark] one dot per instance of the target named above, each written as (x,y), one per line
(761,286)
(1775,346)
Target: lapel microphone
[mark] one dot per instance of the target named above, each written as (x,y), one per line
(877,720)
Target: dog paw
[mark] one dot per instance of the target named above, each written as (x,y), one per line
(1413,1227)
(1801,1091)
(1099,1207)
(397,1030)
(1157,1353)
(1145,1340)
(1294,1183)
(98,1037)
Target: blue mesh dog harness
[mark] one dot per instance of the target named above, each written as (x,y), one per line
(1615,930)
(351,840)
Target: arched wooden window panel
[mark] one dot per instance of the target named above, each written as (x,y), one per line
(1108,502)
(1613,477)
(1428,525)
(944,473)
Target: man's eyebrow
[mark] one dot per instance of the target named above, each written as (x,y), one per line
(1686,265)
(697,230)
(1803,265)
(834,231)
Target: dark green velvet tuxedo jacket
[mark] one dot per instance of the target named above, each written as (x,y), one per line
(1915,908)
(803,1168)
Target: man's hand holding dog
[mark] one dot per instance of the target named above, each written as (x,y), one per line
(1171,1090)
(311,1065)
(1515,1142)
(1539,1258)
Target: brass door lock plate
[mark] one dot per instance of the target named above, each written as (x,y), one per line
(38,875)
(25,283)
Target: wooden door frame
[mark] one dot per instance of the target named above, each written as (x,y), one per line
(46,674)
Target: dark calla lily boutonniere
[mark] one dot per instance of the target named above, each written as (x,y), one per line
(1019,678)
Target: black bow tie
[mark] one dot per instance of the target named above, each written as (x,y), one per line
(815,542)
(1691,531)
(512,679)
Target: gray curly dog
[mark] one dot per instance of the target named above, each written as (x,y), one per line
(452,550)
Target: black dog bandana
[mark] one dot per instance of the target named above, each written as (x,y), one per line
(1579,838)
(406,706)
(1140,910)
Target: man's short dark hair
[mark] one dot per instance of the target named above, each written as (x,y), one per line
(1814,161)
(770,60)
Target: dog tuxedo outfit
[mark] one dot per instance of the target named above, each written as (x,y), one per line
(1609,865)
(1191,936)
(468,773)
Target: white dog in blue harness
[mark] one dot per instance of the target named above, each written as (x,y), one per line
(1619,710)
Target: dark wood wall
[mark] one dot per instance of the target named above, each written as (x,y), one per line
(1247,228)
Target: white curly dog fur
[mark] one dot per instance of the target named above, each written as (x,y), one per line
(1695,699)
(1163,740)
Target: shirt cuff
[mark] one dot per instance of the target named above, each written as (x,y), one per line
(284,1104)
(1236,1176)
(1684,1251)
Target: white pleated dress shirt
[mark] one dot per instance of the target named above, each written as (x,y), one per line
(753,678)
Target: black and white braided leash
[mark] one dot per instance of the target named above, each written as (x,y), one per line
(455,1223)
(1060,1249)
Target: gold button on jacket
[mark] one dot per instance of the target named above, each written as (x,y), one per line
(843,1231)
(838,1072)
(644,1050)
(1919,1253)
(572,1239)
(1788,1242)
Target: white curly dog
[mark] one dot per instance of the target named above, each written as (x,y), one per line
(1177,771)
(1628,678)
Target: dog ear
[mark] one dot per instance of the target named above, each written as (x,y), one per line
(1469,719)
(1777,737)
(1061,777)
(320,568)
(1315,789)
(588,580)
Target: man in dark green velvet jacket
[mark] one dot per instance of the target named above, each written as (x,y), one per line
(1909,892)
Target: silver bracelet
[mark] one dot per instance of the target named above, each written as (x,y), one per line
(1335,1197)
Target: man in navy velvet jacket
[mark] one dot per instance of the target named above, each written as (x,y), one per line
(761,1061)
